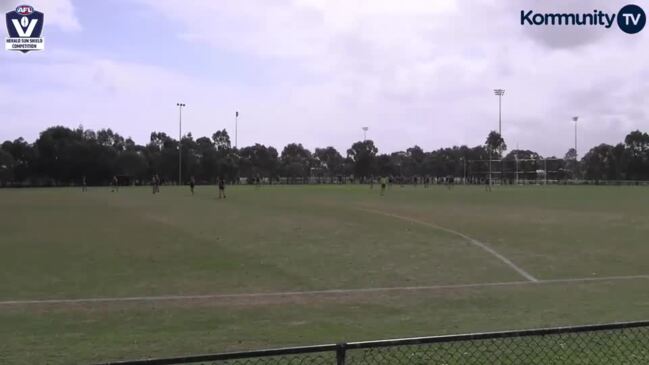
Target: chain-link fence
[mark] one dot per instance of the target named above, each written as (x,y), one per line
(619,344)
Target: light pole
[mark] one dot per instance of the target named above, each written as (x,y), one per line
(180,145)
(365,133)
(574,119)
(236,128)
(499,93)
(516,164)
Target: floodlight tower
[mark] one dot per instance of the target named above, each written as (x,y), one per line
(180,146)
(574,119)
(365,133)
(236,128)
(499,93)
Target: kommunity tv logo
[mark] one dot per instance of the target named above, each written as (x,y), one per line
(630,19)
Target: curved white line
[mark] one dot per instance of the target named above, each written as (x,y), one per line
(475,242)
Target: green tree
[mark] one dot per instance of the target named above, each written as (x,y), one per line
(24,159)
(413,161)
(363,155)
(133,164)
(221,140)
(296,160)
(385,165)
(258,160)
(208,160)
(162,156)
(637,145)
(597,162)
(495,144)
(6,167)
(329,160)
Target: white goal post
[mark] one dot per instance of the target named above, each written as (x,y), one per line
(517,171)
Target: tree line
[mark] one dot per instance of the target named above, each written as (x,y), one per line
(62,156)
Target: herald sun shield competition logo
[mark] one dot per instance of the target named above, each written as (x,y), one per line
(25,26)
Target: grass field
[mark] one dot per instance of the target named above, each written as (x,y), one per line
(439,262)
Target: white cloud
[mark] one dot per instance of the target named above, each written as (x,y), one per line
(133,99)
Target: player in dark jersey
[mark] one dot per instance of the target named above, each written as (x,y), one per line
(154,183)
(449,182)
(192,184)
(115,184)
(221,188)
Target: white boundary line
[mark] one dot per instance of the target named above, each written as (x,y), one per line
(316,292)
(475,242)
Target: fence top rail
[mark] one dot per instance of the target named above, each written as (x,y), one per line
(495,335)
(230,355)
(385,343)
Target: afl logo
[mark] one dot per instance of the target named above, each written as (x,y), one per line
(24,10)
(25,26)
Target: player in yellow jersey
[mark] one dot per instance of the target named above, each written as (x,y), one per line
(384,183)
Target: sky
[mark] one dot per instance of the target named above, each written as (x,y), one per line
(415,72)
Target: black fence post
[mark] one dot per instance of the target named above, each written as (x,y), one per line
(341,353)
